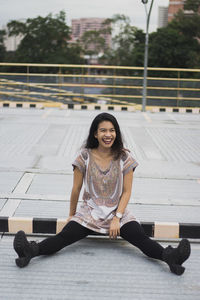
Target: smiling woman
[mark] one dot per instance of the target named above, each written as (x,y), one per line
(106,168)
(105,163)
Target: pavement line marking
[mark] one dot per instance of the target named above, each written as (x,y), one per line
(45,197)
(10,207)
(64,144)
(12,204)
(24,183)
(147,117)
(46,114)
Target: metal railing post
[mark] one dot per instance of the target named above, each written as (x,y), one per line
(82,83)
(28,79)
(178,89)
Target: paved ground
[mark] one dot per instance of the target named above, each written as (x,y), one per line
(97,269)
(36,151)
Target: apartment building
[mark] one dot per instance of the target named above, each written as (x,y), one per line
(162,16)
(80,26)
(174,7)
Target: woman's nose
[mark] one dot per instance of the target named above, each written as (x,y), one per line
(108,134)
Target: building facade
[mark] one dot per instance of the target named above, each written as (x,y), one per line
(174,7)
(162,16)
(80,26)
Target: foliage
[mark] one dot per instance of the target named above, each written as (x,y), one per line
(192,5)
(168,48)
(45,40)
(2,47)
(186,47)
(128,43)
(188,25)
(93,42)
(176,45)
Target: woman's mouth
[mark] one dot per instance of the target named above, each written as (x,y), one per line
(107,141)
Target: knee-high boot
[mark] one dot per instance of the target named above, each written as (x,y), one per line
(25,250)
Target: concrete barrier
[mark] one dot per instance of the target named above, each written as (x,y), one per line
(54,225)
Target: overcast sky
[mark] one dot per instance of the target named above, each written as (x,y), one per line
(23,9)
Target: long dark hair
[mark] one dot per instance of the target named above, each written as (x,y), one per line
(92,142)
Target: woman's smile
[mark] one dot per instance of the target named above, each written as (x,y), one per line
(107,141)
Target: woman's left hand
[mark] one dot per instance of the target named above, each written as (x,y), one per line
(114,228)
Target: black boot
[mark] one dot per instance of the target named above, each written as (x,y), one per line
(25,250)
(175,257)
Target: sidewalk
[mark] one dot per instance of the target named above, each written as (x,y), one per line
(36,151)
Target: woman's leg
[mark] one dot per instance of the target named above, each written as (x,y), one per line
(26,250)
(174,257)
(134,234)
(70,234)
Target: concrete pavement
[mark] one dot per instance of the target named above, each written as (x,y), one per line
(96,269)
(36,151)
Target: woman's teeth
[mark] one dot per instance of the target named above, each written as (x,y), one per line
(107,141)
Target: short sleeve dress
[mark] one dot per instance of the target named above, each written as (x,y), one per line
(102,192)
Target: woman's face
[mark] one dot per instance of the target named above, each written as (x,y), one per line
(105,134)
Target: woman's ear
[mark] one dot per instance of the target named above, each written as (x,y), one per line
(95,134)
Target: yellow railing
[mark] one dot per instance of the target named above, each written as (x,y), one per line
(94,84)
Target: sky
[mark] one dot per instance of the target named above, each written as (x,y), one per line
(23,9)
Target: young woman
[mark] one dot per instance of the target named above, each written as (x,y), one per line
(106,168)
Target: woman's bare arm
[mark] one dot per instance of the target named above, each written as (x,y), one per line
(126,194)
(77,185)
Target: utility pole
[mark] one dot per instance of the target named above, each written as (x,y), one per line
(148,14)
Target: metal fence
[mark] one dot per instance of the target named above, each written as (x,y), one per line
(98,84)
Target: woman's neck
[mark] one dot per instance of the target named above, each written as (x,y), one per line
(102,152)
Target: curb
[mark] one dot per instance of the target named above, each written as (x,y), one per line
(97,106)
(54,226)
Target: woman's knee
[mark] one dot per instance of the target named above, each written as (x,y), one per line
(132,230)
(73,231)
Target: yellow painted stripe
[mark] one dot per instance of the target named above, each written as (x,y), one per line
(97,67)
(147,117)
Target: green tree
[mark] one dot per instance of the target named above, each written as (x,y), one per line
(2,47)
(177,45)
(45,40)
(188,25)
(128,43)
(192,5)
(93,42)
(168,48)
